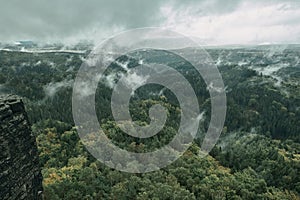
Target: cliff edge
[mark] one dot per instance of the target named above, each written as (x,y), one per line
(20,175)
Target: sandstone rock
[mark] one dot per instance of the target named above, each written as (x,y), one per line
(20,175)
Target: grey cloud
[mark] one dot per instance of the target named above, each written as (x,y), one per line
(219,7)
(40,19)
(205,7)
(59,20)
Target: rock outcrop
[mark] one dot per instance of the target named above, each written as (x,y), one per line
(20,175)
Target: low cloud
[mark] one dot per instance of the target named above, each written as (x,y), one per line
(52,88)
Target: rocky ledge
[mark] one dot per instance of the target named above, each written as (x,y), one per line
(20,175)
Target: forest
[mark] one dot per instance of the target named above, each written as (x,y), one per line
(256,157)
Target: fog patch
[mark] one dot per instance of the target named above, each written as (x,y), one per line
(271,70)
(52,88)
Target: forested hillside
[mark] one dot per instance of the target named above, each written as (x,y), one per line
(256,157)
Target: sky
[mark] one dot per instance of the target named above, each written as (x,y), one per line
(211,22)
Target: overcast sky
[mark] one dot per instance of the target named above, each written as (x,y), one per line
(210,21)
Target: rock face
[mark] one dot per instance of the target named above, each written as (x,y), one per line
(20,175)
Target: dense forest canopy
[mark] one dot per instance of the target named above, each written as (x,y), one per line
(257,156)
